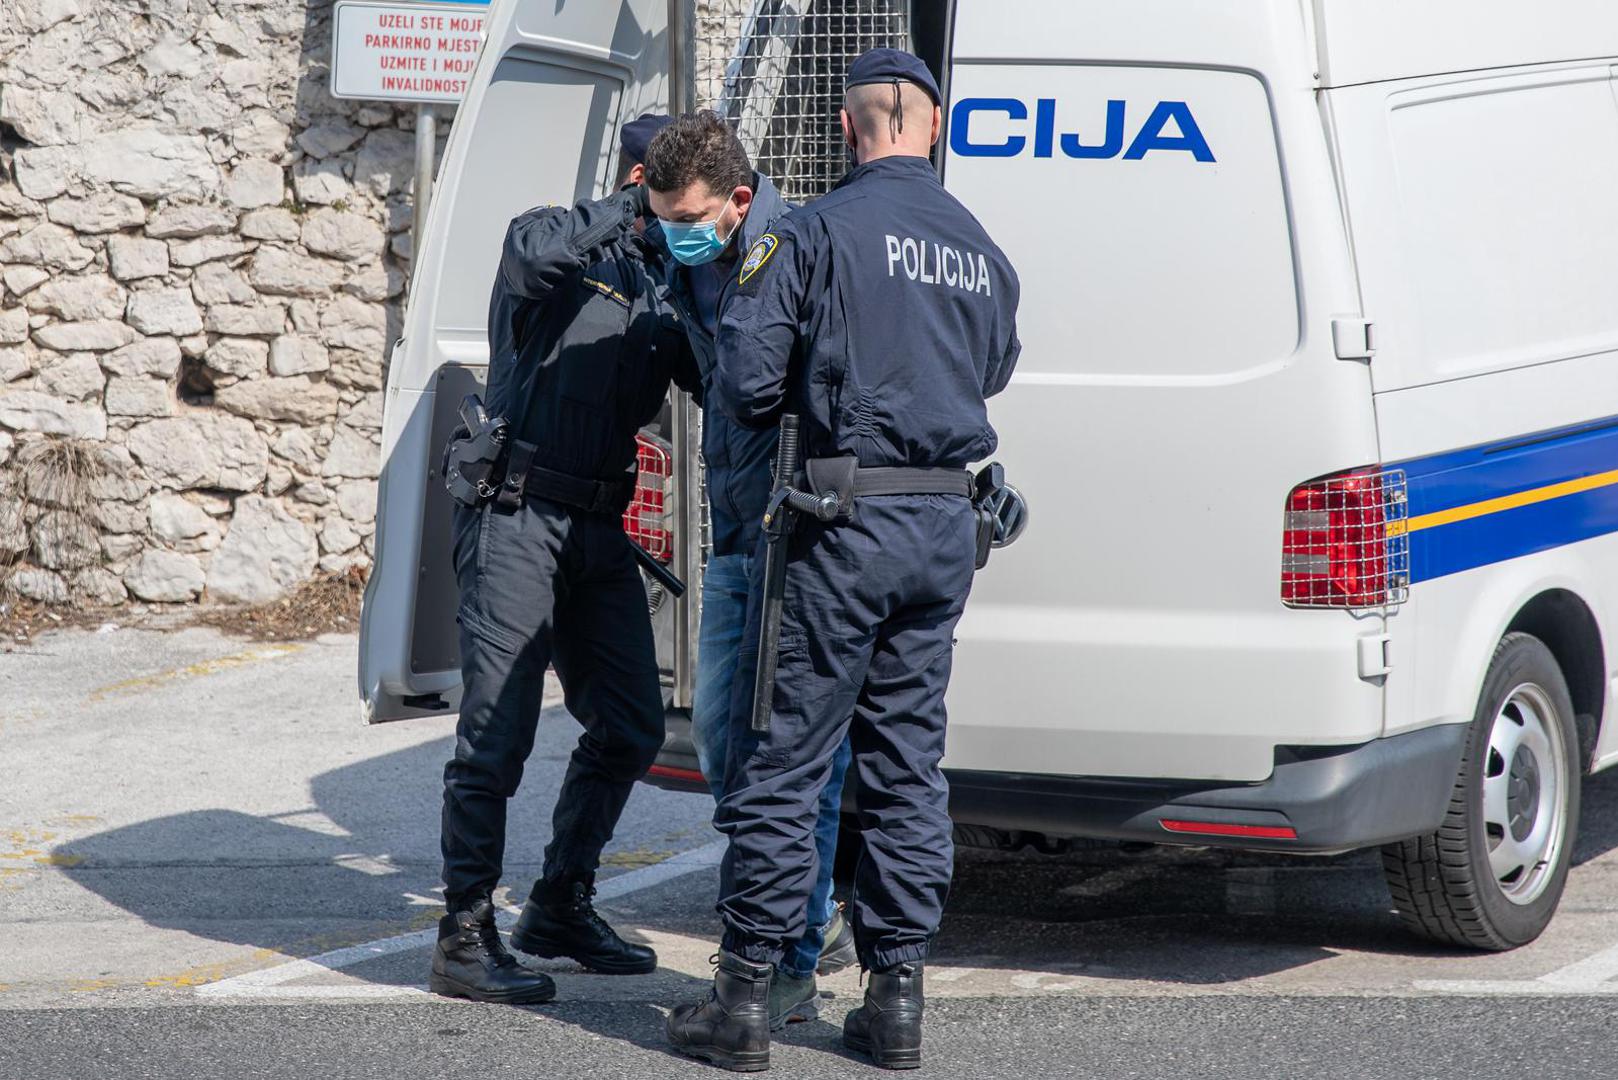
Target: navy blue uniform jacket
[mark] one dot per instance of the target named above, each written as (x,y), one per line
(883,314)
(582,338)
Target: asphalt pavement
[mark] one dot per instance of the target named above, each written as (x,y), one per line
(210,867)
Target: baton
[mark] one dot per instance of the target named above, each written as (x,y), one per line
(780,516)
(660,573)
(777,524)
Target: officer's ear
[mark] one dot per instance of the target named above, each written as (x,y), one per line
(849,138)
(938,125)
(742,196)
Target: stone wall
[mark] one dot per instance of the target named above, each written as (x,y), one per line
(203,256)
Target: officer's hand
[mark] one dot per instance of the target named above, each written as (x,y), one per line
(639,200)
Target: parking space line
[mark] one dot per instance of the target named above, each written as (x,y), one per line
(269,982)
(1592,975)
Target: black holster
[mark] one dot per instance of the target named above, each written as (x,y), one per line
(988,494)
(474,461)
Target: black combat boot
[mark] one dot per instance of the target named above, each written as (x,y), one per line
(470,962)
(560,920)
(887,1028)
(731,1026)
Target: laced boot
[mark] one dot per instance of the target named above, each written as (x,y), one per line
(470,962)
(887,1028)
(559,919)
(838,951)
(731,1026)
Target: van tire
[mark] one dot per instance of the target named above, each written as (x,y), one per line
(1443,884)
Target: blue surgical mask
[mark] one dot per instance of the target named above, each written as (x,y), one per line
(695,242)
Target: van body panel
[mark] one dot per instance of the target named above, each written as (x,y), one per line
(1466,266)
(1365,41)
(539,124)
(1177,380)
(1272,36)
(1489,279)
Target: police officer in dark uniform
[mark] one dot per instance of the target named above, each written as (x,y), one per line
(582,350)
(883,315)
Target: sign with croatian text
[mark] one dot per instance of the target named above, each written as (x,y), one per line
(404,51)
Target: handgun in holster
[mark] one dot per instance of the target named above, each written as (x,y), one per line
(475,458)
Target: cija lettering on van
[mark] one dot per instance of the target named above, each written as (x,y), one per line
(932,263)
(1169,128)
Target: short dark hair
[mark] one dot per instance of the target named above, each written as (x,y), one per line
(626,165)
(698,146)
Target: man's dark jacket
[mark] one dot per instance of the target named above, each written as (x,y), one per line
(737,458)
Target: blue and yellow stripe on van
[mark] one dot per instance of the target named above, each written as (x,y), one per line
(1503,500)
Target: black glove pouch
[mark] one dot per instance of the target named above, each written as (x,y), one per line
(834,476)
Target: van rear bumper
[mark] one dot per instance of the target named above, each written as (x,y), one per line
(1335,798)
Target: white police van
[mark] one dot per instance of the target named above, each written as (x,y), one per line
(1317,415)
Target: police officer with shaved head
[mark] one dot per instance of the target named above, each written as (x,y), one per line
(880,317)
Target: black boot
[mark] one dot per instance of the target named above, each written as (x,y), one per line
(731,1026)
(470,962)
(887,1028)
(560,920)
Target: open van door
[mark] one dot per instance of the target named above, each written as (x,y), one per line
(556,81)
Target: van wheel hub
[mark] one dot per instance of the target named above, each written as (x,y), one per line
(1524,804)
(1523,800)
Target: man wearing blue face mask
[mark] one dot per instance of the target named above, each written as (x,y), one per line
(711,205)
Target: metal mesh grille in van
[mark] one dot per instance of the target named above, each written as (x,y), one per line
(775,68)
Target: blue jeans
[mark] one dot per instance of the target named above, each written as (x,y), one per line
(724,615)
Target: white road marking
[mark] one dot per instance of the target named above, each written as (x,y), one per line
(269,982)
(1592,975)
(374,865)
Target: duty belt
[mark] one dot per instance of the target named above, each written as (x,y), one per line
(899,480)
(524,478)
(597,496)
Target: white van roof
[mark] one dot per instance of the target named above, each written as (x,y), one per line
(1364,41)
(1356,41)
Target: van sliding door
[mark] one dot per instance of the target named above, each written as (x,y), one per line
(539,124)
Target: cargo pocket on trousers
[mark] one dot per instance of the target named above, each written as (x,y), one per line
(781,745)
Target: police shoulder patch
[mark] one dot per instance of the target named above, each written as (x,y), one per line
(757,256)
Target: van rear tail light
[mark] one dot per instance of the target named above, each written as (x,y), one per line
(1223,828)
(1344,543)
(647,520)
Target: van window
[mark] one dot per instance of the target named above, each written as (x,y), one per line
(1508,213)
(1142,207)
(531,107)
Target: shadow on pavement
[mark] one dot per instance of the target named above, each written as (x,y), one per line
(362,863)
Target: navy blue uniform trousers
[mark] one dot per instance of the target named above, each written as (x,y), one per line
(546,584)
(866,644)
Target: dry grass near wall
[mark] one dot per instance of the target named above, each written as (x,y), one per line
(324,605)
(64,474)
(56,481)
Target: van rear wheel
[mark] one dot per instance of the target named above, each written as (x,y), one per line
(1492,875)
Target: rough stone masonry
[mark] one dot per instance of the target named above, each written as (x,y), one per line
(203,257)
